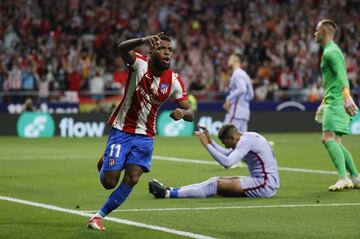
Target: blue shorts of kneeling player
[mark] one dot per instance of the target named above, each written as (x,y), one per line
(123,149)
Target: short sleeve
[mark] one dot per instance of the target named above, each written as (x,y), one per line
(140,62)
(178,92)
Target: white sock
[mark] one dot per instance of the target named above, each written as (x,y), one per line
(199,190)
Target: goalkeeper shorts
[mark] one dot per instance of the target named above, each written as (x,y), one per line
(336,119)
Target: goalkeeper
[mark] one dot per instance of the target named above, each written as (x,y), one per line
(337,106)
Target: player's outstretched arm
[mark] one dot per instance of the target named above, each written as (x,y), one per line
(127,47)
(183,112)
(223,157)
(220,149)
(206,133)
(226,160)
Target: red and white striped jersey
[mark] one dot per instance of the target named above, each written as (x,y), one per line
(144,93)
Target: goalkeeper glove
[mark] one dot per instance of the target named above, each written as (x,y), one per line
(319,113)
(349,104)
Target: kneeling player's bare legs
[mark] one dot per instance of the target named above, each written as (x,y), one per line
(225,186)
(230,187)
(199,190)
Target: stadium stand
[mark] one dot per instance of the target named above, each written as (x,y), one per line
(48,47)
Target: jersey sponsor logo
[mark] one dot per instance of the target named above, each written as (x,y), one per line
(148,96)
(164,88)
(168,127)
(35,125)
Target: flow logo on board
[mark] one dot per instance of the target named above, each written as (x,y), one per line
(35,125)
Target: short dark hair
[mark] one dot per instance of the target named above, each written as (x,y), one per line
(226,130)
(165,37)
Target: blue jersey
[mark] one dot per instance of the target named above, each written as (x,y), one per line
(240,94)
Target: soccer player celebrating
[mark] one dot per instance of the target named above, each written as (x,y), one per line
(249,147)
(240,94)
(130,143)
(337,106)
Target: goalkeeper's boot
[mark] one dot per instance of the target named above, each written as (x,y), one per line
(95,223)
(356,182)
(341,184)
(159,190)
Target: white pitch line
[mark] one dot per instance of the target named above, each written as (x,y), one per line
(165,158)
(234,207)
(195,161)
(304,170)
(113,219)
(41,157)
(183,160)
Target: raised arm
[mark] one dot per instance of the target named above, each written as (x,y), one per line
(221,156)
(226,161)
(221,149)
(127,47)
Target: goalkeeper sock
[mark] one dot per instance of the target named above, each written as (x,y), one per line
(116,199)
(199,190)
(337,156)
(349,162)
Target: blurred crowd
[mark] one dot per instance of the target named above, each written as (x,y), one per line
(52,47)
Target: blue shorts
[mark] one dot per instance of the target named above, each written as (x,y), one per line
(123,149)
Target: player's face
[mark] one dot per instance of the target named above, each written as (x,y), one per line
(229,142)
(231,62)
(319,33)
(161,55)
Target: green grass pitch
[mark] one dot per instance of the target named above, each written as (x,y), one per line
(62,172)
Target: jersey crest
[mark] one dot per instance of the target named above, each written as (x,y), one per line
(164,88)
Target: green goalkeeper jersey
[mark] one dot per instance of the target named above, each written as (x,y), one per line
(333,71)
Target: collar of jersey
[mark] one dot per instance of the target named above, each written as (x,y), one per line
(328,44)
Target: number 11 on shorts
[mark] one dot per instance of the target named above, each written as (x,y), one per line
(116,148)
